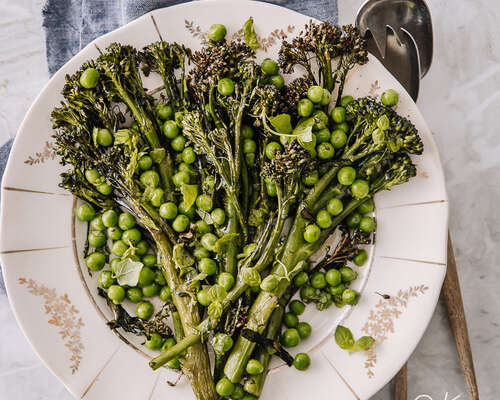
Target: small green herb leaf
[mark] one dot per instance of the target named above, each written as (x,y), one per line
(281,123)
(383,122)
(157,155)
(362,344)
(217,293)
(127,271)
(189,195)
(303,132)
(215,310)
(181,257)
(251,277)
(222,243)
(344,338)
(249,34)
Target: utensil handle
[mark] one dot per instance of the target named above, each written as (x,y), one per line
(454,304)
(400,382)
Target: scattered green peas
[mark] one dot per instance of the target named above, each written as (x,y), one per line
(290,338)
(119,248)
(92,176)
(188,155)
(306,293)
(336,290)
(174,364)
(350,296)
(367,224)
(246,132)
(126,221)
(302,361)
(168,210)
(181,177)
(89,78)
(146,276)
(389,98)
(300,279)
(85,212)
(116,294)
(96,224)
(154,342)
(104,189)
(224,387)
(207,266)
(106,279)
(97,239)
(347,274)
(249,397)
(318,280)
(305,107)
(312,233)
(225,86)
(290,320)
(112,264)
(269,283)
(254,367)
(180,223)
(141,248)
(104,137)
(335,206)
(323,219)
(353,220)
(297,307)
(272,148)
(204,202)
(150,290)
(342,126)
(203,297)
(366,207)
(345,100)
(269,67)
(165,294)
(95,261)
(238,392)
(311,178)
(321,119)
(226,280)
(145,163)
(178,143)
(333,277)
(304,330)
(360,188)
(322,136)
(114,233)
(277,81)
(326,97)
(134,294)
(208,241)
(202,227)
(216,32)
(346,175)
(218,216)
(249,146)
(360,258)
(109,218)
(200,252)
(168,343)
(315,94)
(338,138)
(149,260)
(325,151)
(150,178)
(170,129)
(338,115)
(131,236)
(164,111)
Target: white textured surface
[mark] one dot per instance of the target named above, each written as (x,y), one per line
(460,100)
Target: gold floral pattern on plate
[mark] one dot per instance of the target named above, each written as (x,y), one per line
(64,315)
(381,319)
(374,88)
(48,153)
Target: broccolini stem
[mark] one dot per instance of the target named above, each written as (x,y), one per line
(231,264)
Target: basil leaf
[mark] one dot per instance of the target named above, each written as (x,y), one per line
(378,136)
(344,338)
(383,122)
(122,136)
(249,34)
(215,310)
(157,155)
(127,271)
(362,344)
(250,277)
(281,123)
(217,293)
(303,132)
(189,195)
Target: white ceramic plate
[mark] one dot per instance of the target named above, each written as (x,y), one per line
(54,299)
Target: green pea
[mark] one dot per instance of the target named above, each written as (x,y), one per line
(342,126)
(170,130)
(338,115)
(269,283)
(208,241)
(104,137)
(290,320)
(224,387)
(95,261)
(360,188)
(345,100)
(336,290)
(164,111)
(145,163)
(204,202)
(97,224)
(323,219)
(318,280)
(277,81)
(157,197)
(188,155)
(134,294)
(150,178)
(141,248)
(226,280)
(180,223)
(321,119)
(225,86)
(126,221)
(85,212)
(116,294)
(154,342)
(181,177)
(202,227)
(216,32)
(207,266)
(149,260)
(360,258)
(312,233)
(302,361)
(305,107)
(92,176)
(304,330)
(300,279)
(112,264)
(106,279)
(190,213)
(119,248)
(97,239)
(315,94)
(114,233)
(146,276)
(333,277)
(346,175)
(311,178)
(238,392)
(327,97)
(271,189)
(200,252)
(389,98)
(254,367)
(350,296)
(168,210)
(89,78)
(269,67)
(249,146)
(178,143)
(203,297)
(290,338)
(272,148)
(367,224)
(250,159)
(104,189)
(249,249)
(335,206)
(353,220)
(131,236)
(218,216)
(322,136)
(366,207)
(150,290)
(347,274)
(110,218)
(307,293)
(249,397)
(165,294)
(338,138)
(325,151)
(168,343)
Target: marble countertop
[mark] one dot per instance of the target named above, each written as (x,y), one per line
(459,98)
